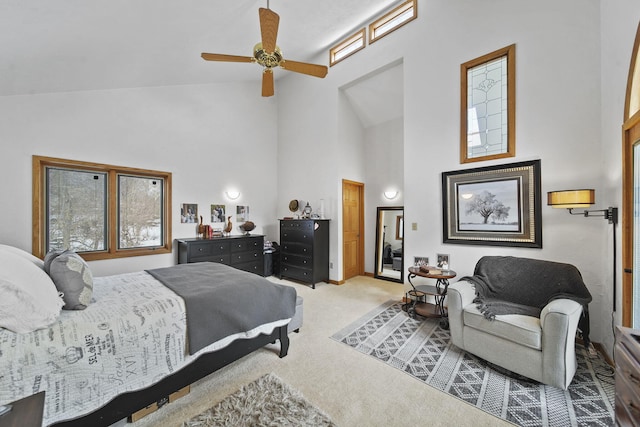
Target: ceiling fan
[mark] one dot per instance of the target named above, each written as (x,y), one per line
(268,55)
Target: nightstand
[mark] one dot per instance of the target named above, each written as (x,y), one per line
(26,412)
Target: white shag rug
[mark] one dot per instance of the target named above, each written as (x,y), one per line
(268,401)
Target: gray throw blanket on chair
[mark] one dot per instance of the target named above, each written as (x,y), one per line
(511,285)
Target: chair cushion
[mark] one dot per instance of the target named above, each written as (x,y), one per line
(524,330)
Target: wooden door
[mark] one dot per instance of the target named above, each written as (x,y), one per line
(352,229)
(631,194)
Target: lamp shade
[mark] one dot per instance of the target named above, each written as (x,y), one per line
(571,199)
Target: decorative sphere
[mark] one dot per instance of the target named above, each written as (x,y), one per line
(247,226)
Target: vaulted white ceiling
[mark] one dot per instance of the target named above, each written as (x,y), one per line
(71,45)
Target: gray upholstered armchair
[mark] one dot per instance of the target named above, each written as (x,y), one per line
(539,344)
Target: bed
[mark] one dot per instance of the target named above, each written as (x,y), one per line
(130,347)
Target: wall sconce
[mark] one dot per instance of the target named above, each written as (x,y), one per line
(576,199)
(391,194)
(232,194)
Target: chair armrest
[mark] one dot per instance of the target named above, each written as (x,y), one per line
(560,307)
(459,295)
(559,322)
(466,292)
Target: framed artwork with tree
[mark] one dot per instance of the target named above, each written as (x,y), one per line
(496,205)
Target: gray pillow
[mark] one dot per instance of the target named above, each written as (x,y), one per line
(49,257)
(72,277)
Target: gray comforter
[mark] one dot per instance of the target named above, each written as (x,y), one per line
(222,300)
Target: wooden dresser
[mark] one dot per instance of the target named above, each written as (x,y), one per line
(627,355)
(304,250)
(242,252)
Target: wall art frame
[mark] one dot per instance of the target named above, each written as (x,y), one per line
(488,106)
(495,206)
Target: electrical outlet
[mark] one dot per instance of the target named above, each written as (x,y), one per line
(330,265)
(414,226)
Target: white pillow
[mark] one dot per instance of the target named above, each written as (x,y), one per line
(26,255)
(29,299)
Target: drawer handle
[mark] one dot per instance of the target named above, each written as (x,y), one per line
(255,255)
(633,378)
(200,249)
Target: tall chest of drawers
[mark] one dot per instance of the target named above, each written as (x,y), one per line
(627,355)
(304,250)
(242,252)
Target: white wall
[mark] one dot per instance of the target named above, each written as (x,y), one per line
(558,110)
(384,159)
(209,137)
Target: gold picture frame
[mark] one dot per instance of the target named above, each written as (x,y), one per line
(493,206)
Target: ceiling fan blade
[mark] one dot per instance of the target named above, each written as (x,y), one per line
(305,68)
(269,21)
(226,58)
(267,82)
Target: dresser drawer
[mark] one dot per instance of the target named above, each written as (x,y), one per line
(207,249)
(631,342)
(240,257)
(303,274)
(295,235)
(249,244)
(297,260)
(296,225)
(296,249)
(628,367)
(256,267)
(220,259)
(627,412)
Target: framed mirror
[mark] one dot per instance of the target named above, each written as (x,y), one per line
(488,106)
(389,262)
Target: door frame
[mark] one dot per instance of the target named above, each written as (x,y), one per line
(630,134)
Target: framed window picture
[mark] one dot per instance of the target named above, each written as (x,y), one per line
(488,106)
(496,205)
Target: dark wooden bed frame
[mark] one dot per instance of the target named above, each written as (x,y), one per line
(126,404)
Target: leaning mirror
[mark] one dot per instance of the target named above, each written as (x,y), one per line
(488,106)
(389,244)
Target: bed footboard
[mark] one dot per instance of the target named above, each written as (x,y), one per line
(126,404)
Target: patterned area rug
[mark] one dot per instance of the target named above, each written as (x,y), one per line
(268,401)
(422,349)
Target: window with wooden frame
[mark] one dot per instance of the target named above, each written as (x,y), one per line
(347,47)
(406,12)
(100,211)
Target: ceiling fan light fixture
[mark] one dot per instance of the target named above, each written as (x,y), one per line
(267,59)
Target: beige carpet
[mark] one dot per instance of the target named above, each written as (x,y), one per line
(351,388)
